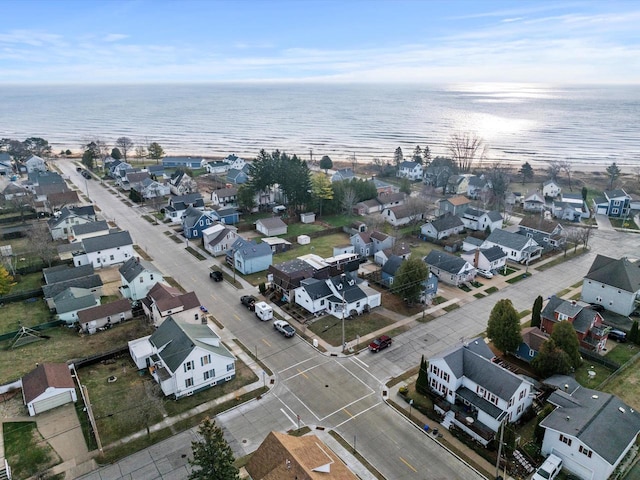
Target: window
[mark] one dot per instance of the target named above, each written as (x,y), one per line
(566,440)
(206,360)
(111,257)
(151,277)
(585,451)
(188,382)
(210,374)
(230,367)
(142,279)
(188,365)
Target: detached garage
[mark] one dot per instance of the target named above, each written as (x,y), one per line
(50,385)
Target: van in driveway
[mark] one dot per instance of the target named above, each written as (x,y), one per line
(549,469)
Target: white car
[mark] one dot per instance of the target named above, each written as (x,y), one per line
(485,273)
(549,469)
(284,328)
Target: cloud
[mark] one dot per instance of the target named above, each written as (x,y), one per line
(115,37)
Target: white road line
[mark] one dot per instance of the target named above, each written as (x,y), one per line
(296,364)
(365,371)
(347,405)
(301,402)
(351,373)
(302,372)
(356,415)
(356,359)
(295,424)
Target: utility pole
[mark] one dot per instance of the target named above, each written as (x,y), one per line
(500,447)
(343,309)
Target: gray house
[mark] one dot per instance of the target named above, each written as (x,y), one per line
(442,227)
(449,268)
(271,227)
(614,284)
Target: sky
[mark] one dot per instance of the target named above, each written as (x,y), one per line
(153,41)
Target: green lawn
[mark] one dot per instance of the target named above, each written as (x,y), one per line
(620,223)
(23,314)
(329,328)
(25,449)
(340,220)
(322,246)
(622,353)
(296,229)
(421,248)
(29,281)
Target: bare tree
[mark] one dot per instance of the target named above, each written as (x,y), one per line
(22,204)
(417,208)
(554,169)
(574,236)
(566,166)
(499,180)
(378,163)
(465,149)
(349,200)
(141,152)
(41,244)
(142,406)
(125,144)
(585,235)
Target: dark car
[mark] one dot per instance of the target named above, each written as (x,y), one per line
(216,276)
(618,335)
(248,301)
(86,175)
(380,343)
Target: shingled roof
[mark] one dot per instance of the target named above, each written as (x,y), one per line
(45,375)
(622,273)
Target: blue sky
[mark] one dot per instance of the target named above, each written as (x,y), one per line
(85,41)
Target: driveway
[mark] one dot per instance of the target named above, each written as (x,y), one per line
(603,222)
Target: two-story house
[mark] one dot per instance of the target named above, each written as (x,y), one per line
(342,175)
(225,197)
(61,223)
(138,277)
(455,205)
(181,183)
(410,170)
(490,259)
(164,301)
(35,164)
(458,184)
(105,250)
(613,203)
(587,323)
(179,203)
(547,233)
(450,269)
(479,395)
(247,256)
(551,189)
(533,202)
(519,248)
(195,221)
(183,358)
(481,220)
(218,238)
(614,284)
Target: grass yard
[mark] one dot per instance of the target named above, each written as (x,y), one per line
(24,313)
(296,229)
(340,220)
(25,449)
(522,276)
(621,223)
(322,246)
(421,248)
(582,374)
(626,386)
(29,281)
(329,328)
(65,344)
(622,353)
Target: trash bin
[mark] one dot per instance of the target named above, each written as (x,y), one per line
(426,428)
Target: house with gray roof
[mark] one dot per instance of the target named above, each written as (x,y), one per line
(518,248)
(62,273)
(87,230)
(217,167)
(61,277)
(102,317)
(343,174)
(105,250)
(218,238)
(68,302)
(192,163)
(389,200)
(401,215)
(614,284)
(410,170)
(181,183)
(613,203)
(183,358)
(491,259)
(60,224)
(367,207)
(248,256)
(138,277)
(591,431)
(179,203)
(195,221)
(471,243)
(465,375)
(271,227)
(533,202)
(287,276)
(477,187)
(547,233)
(6,167)
(237,176)
(390,268)
(35,164)
(450,269)
(442,227)
(225,197)
(481,220)
(551,189)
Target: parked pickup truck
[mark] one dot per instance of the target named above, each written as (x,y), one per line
(248,301)
(263,311)
(380,343)
(284,328)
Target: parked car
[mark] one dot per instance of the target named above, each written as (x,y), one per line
(216,276)
(86,175)
(549,469)
(618,335)
(485,273)
(380,343)
(284,328)
(248,301)
(263,311)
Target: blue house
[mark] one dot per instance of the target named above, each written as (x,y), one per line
(614,203)
(430,285)
(237,177)
(195,221)
(227,215)
(390,268)
(532,340)
(183,162)
(247,256)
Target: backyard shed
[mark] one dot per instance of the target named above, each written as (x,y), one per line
(304,240)
(309,217)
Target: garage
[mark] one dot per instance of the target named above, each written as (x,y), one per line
(48,386)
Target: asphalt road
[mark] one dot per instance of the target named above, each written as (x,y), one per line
(344,394)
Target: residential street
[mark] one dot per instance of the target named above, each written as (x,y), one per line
(340,393)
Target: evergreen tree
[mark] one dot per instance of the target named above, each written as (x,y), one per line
(422,382)
(504,326)
(535,312)
(212,456)
(155,152)
(407,282)
(585,192)
(614,172)
(6,281)
(527,172)
(246,197)
(417,155)
(634,335)
(551,360)
(398,157)
(326,163)
(405,186)
(115,153)
(426,156)
(565,338)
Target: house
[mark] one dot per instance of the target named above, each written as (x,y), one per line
(341,296)
(614,284)
(471,243)
(105,250)
(181,183)
(164,301)
(390,200)
(490,259)
(183,358)
(122,181)
(48,386)
(56,200)
(104,316)
(481,220)
(217,167)
(384,187)
(613,203)
(134,177)
(410,170)
(480,395)
(87,230)
(442,227)
(587,323)
(149,188)
(532,340)
(449,268)
(533,202)
(575,201)
(61,277)
(591,431)
(40,178)
(390,268)
(6,167)
(287,276)
(194,221)
(457,184)
(437,176)
(567,211)
(547,233)
(60,224)
(192,163)
(402,215)
(156,171)
(137,277)
(247,256)
(367,207)
(225,197)
(118,169)
(218,238)
(237,176)
(401,249)
(179,203)
(283,456)
(369,243)
(13,190)
(35,164)
(478,187)
(235,162)
(518,248)
(271,227)
(71,300)
(343,174)
(551,189)
(277,244)
(381,241)
(454,205)
(228,215)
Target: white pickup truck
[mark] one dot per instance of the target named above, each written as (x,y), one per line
(263,311)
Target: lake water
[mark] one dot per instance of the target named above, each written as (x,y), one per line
(519,122)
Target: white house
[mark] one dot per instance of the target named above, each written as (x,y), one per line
(35,164)
(533,202)
(71,300)
(218,238)
(614,284)
(465,375)
(550,188)
(48,386)
(138,277)
(480,220)
(402,215)
(225,197)
(164,301)
(183,358)
(518,248)
(80,231)
(489,259)
(410,170)
(442,227)
(61,223)
(591,431)
(105,250)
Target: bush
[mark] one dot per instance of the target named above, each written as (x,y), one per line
(262,288)
(403,390)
